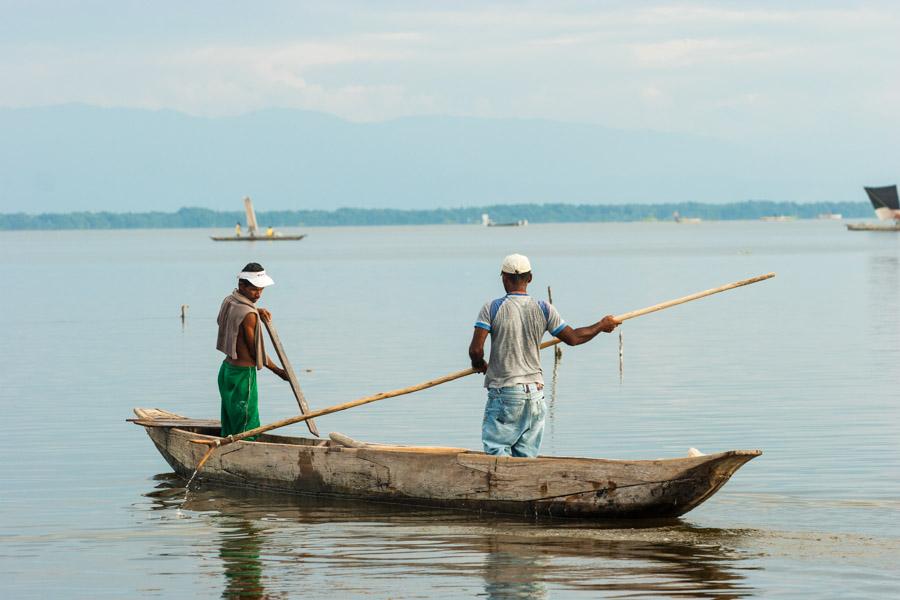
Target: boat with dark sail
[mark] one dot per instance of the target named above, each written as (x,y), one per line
(887,208)
(253,230)
(444,477)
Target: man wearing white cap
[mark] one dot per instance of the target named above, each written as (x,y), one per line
(513,422)
(240,339)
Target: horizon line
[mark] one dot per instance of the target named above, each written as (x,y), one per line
(484,207)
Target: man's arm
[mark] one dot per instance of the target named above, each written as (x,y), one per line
(276,369)
(476,350)
(574,337)
(248,331)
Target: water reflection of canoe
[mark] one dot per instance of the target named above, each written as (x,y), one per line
(264,537)
(447,477)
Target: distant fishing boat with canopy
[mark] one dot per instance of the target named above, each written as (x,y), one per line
(887,208)
(253,234)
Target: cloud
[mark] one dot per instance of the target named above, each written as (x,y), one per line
(290,75)
(651,93)
(728,68)
(296,55)
(684,53)
(222,79)
(687,13)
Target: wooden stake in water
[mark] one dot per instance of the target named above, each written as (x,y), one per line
(557,356)
(621,358)
(557,351)
(554,381)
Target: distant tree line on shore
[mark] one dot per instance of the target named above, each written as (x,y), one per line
(534,213)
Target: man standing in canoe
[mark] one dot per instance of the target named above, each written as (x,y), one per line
(240,339)
(514,414)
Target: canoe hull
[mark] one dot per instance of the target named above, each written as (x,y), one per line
(565,487)
(872,227)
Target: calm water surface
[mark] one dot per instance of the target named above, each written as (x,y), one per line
(805,367)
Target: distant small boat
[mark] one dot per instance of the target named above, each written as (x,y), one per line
(830,216)
(487,222)
(252,230)
(685,220)
(872,227)
(887,207)
(778,218)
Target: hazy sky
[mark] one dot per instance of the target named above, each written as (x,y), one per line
(729,69)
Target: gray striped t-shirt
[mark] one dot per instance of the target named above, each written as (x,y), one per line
(517,323)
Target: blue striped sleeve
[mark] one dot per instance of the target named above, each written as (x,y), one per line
(482,325)
(545,308)
(561,326)
(495,307)
(555,323)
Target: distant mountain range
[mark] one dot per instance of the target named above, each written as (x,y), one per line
(81,158)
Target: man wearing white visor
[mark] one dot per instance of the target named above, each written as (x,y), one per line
(240,339)
(513,422)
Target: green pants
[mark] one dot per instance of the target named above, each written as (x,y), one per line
(240,399)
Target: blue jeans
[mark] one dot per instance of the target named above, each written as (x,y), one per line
(513,422)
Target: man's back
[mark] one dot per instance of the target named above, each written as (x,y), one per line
(516,323)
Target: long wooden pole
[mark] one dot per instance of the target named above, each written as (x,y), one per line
(292,377)
(697,296)
(337,408)
(459,374)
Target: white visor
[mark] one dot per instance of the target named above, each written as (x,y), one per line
(256,278)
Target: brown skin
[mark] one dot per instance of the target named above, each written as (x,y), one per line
(572,337)
(246,342)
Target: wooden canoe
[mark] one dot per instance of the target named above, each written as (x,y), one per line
(446,477)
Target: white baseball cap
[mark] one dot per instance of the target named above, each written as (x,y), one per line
(256,278)
(516,264)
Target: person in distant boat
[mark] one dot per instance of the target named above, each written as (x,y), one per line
(240,339)
(270,232)
(513,422)
(237,229)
